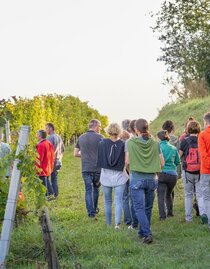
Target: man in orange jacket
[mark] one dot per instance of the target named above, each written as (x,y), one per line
(204,149)
(45,160)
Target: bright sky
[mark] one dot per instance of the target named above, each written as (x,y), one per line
(101,51)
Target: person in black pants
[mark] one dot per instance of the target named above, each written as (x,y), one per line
(168,176)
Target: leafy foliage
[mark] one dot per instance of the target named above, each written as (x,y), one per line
(183,27)
(69,115)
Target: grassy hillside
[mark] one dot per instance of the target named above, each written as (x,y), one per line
(179,113)
(89,244)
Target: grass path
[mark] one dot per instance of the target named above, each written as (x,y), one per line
(89,243)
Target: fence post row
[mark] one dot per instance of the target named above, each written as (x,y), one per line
(11,205)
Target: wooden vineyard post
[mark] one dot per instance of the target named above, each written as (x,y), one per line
(11,205)
(47,233)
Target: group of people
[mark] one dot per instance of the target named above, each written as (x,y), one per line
(50,150)
(133,164)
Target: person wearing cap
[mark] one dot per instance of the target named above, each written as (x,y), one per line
(168,176)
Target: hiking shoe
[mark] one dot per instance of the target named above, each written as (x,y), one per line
(204,219)
(131,227)
(147,239)
(51,198)
(117,227)
(97,210)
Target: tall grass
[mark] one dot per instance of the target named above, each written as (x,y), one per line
(179,112)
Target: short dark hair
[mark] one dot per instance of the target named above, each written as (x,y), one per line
(93,123)
(125,124)
(207,117)
(193,127)
(49,124)
(163,135)
(42,134)
(168,125)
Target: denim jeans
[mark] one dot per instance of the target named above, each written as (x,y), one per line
(128,208)
(205,185)
(192,186)
(92,184)
(47,184)
(118,203)
(143,194)
(54,182)
(126,204)
(166,184)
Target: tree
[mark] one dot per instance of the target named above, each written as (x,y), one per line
(183,27)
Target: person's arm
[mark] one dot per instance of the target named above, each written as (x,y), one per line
(177,158)
(127,162)
(162,161)
(203,151)
(77,153)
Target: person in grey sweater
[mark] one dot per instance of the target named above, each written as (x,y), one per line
(59,148)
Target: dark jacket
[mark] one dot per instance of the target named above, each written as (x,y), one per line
(111,155)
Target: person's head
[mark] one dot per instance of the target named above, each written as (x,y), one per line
(125,125)
(206,120)
(49,127)
(186,123)
(168,125)
(163,135)
(95,125)
(114,130)
(124,135)
(193,127)
(41,134)
(142,128)
(132,127)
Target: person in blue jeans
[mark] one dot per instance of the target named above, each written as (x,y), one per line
(130,218)
(111,158)
(86,148)
(144,159)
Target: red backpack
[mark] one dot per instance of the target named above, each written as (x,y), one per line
(192,160)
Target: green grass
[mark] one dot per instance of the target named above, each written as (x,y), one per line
(89,243)
(179,112)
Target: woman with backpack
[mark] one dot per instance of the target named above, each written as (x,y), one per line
(168,177)
(111,158)
(144,159)
(188,150)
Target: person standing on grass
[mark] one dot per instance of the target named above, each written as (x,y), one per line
(134,222)
(182,137)
(87,148)
(173,140)
(126,195)
(144,159)
(204,149)
(111,158)
(168,177)
(191,169)
(59,148)
(45,160)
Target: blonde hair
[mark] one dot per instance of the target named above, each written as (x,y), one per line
(114,129)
